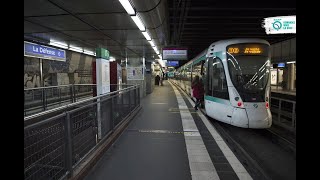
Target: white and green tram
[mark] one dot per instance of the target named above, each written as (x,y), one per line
(236,77)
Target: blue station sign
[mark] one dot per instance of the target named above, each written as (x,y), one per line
(44,52)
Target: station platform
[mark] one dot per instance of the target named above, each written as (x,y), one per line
(169,140)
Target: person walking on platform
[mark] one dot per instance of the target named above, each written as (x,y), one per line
(197,91)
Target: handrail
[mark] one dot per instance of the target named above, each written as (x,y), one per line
(67,85)
(48,87)
(75,103)
(283,99)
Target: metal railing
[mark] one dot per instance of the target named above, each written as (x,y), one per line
(57,140)
(41,99)
(284,112)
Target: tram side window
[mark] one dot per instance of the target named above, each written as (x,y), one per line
(209,79)
(217,79)
(188,74)
(196,70)
(204,76)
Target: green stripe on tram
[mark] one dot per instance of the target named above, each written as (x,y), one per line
(218,54)
(200,59)
(217,100)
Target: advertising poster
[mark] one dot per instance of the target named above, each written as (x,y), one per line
(135,73)
(273,77)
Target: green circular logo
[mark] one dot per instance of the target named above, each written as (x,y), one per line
(277,25)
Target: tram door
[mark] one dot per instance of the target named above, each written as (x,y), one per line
(217,101)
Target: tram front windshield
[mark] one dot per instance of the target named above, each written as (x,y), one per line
(249,69)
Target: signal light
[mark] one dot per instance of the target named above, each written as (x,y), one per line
(239,103)
(267,105)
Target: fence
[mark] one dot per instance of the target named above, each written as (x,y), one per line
(284,113)
(44,98)
(57,140)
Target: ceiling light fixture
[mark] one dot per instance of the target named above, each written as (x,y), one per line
(290,62)
(138,22)
(155,48)
(89,52)
(146,35)
(152,44)
(128,7)
(77,49)
(58,44)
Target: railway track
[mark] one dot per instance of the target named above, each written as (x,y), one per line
(255,147)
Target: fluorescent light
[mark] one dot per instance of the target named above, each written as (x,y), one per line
(146,35)
(128,7)
(152,44)
(155,48)
(112,59)
(58,44)
(77,49)
(290,62)
(157,51)
(89,52)
(138,22)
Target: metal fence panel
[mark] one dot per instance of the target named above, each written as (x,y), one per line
(284,112)
(56,141)
(105,116)
(44,150)
(117,110)
(84,132)
(126,103)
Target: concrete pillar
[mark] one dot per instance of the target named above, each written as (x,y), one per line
(286,76)
(148,78)
(291,73)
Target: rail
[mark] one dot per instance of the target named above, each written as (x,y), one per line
(58,140)
(44,98)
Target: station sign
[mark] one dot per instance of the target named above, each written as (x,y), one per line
(102,53)
(174,53)
(173,63)
(44,52)
(280,25)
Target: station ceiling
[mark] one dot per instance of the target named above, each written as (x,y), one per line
(198,23)
(193,24)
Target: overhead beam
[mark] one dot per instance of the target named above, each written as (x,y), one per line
(203,8)
(224,17)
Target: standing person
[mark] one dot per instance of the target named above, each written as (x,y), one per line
(197,91)
(157,80)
